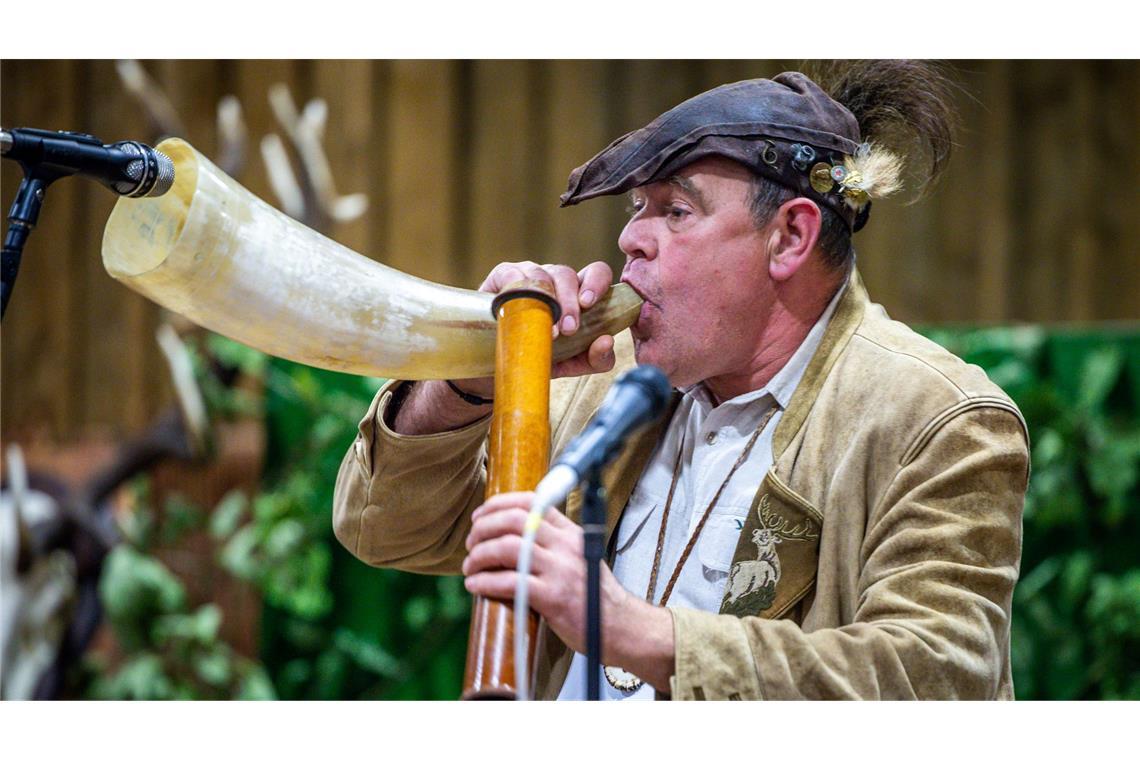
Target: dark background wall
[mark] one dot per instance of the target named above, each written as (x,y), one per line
(463,162)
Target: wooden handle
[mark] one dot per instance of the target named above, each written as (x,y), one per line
(518,456)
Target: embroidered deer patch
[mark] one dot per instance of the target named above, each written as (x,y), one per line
(752,583)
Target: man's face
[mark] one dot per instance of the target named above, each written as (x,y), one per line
(695,255)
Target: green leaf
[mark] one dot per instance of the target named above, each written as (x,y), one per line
(305,635)
(285,538)
(1036,580)
(239,555)
(1048,448)
(368,655)
(1054,499)
(331,670)
(228,514)
(1067,674)
(294,676)
(1075,580)
(207,622)
(213,667)
(174,627)
(1098,376)
(1114,606)
(418,612)
(255,685)
(200,627)
(180,515)
(455,602)
(134,589)
(298,582)
(140,677)
(250,361)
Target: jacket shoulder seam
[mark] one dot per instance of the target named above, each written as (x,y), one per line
(919,359)
(940,422)
(946,415)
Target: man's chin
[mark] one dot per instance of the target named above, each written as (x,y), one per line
(644,353)
(639,348)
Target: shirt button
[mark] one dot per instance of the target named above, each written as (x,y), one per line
(710,439)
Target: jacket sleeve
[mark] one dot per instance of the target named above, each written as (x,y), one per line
(938,565)
(406,501)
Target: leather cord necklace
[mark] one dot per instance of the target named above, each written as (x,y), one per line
(623,680)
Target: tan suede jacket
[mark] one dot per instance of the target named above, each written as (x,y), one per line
(878,559)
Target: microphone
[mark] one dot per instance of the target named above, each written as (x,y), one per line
(128,168)
(637,398)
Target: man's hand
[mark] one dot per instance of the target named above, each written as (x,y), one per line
(574,291)
(636,635)
(432,407)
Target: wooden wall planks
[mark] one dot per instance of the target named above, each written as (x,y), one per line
(502,134)
(575,235)
(420,164)
(41,372)
(463,163)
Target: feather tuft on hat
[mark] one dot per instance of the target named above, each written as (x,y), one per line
(871,172)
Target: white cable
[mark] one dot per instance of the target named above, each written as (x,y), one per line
(552,490)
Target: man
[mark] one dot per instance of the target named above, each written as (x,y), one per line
(832,507)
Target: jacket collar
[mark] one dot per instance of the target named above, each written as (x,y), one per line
(847,318)
(621,475)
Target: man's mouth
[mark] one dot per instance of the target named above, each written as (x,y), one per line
(640,327)
(638,290)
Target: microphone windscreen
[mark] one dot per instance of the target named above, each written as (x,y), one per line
(165,178)
(654,381)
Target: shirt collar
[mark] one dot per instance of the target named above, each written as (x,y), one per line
(783,383)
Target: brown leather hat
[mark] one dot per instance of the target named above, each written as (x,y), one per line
(786,129)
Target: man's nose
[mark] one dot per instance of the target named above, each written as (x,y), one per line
(636,239)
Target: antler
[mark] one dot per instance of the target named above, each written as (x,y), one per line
(165,121)
(778,524)
(161,113)
(309,195)
(187,392)
(231,136)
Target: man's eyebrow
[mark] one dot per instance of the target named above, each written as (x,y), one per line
(690,189)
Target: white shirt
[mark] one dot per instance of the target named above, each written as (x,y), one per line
(713,436)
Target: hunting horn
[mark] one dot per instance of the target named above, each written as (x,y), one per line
(217,254)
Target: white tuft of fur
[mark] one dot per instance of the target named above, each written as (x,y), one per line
(873,170)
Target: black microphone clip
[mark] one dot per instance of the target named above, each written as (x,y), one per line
(127,168)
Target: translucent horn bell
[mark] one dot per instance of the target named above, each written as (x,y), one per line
(220,256)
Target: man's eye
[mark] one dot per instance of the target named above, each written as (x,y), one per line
(634,206)
(678,212)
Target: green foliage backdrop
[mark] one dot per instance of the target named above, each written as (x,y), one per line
(334,628)
(1076,614)
(365,633)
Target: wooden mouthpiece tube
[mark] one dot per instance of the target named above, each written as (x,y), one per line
(517,457)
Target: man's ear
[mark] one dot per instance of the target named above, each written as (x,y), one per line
(794,233)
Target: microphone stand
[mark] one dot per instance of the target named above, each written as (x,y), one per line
(594,528)
(22,218)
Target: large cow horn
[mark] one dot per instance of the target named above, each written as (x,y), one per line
(217,254)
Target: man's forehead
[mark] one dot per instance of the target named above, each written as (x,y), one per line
(702,177)
(706,169)
(679,181)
